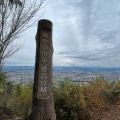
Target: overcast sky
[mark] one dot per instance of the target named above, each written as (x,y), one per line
(85,33)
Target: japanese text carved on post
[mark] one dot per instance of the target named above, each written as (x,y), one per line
(45,51)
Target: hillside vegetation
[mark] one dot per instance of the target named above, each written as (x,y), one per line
(73,101)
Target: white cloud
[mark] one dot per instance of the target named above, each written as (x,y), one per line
(85,32)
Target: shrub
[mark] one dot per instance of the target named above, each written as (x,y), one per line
(80,102)
(16,97)
(113,96)
(21,99)
(64,103)
(73,101)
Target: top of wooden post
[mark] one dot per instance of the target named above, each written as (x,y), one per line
(45,24)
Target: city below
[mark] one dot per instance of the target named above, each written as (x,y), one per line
(26,73)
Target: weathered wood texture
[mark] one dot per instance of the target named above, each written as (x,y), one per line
(43,105)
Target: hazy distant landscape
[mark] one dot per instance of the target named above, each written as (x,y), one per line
(26,73)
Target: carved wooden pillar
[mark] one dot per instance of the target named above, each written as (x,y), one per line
(43,105)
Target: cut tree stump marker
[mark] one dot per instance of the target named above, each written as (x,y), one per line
(43,104)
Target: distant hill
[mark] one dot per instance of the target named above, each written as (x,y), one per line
(19,68)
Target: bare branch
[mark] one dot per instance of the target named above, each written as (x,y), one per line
(16,16)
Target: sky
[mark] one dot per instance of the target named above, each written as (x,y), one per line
(85,33)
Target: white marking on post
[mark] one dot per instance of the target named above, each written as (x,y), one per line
(43,75)
(43,89)
(45,35)
(44,59)
(44,68)
(44,83)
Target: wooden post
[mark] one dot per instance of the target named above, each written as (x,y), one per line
(43,105)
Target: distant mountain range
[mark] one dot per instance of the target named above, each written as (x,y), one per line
(17,68)
(31,68)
